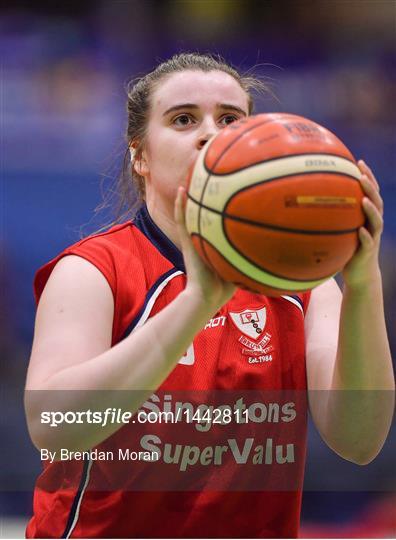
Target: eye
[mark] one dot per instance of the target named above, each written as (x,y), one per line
(183,120)
(228,119)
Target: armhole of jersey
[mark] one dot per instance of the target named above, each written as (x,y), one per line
(150,299)
(306,297)
(43,274)
(300,300)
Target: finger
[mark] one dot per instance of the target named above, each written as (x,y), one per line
(372,193)
(180,218)
(229,289)
(365,238)
(179,209)
(365,169)
(376,223)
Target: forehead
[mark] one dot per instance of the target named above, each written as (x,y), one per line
(198,87)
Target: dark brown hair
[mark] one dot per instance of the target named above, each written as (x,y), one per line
(130,187)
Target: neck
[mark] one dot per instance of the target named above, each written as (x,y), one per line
(162,215)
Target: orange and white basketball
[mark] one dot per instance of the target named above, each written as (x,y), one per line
(274,204)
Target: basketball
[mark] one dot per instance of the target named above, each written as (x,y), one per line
(274,204)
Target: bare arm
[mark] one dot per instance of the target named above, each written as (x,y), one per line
(349,366)
(350,377)
(71,348)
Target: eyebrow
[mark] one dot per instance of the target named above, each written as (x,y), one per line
(184,106)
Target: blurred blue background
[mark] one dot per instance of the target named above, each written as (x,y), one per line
(65,65)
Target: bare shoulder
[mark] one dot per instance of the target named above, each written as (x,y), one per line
(74,278)
(74,318)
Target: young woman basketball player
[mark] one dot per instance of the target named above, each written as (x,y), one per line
(119,310)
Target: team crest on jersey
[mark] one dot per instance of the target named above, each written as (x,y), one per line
(256,341)
(250,322)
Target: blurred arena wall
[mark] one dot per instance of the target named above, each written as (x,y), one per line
(63,119)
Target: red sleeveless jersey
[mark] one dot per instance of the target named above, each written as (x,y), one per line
(245,486)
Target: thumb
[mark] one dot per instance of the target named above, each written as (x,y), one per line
(180,217)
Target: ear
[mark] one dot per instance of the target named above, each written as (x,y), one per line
(139,163)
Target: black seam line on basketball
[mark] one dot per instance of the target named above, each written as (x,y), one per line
(212,172)
(237,138)
(253,263)
(233,266)
(272,227)
(209,174)
(203,250)
(279,178)
(306,281)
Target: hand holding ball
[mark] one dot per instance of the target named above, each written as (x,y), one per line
(274,204)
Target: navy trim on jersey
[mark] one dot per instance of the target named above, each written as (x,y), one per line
(149,294)
(165,246)
(77,497)
(298,299)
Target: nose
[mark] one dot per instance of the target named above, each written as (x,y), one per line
(208,130)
